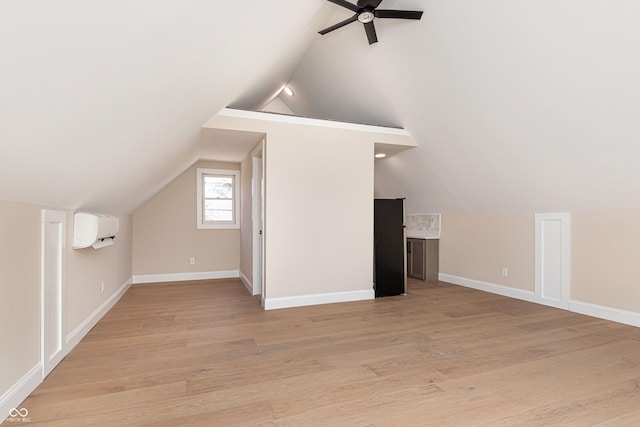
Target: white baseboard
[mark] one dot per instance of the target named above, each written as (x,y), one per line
(488,287)
(594,310)
(185,277)
(13,397)
(247,283)
(317,299)
(28,383)
(607,313)
(73,338)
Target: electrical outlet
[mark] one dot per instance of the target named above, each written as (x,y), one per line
(192,260)
(102,286)
(505,272)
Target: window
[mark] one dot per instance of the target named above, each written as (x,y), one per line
(218,198)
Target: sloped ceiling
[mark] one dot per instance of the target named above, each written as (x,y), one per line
(516,105)
(101,103)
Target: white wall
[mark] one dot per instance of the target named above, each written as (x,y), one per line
(318,207)
(19,295)
(478,246)
(165,236)
(84,303)
(319,214)
(87,269)
(604,249)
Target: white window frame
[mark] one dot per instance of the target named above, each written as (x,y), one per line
(201,224)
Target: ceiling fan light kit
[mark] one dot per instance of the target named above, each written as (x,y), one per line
(366,17)
(366,12)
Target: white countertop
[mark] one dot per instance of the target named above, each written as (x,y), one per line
(417,235)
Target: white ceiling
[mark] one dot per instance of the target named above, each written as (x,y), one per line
(227,145)
(516,105)
(101,103)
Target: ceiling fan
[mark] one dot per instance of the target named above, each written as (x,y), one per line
(366,11)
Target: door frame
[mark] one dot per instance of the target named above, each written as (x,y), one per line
(47,305)
(257,215)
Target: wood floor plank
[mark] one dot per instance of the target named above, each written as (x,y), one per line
(594,408)
(205,353)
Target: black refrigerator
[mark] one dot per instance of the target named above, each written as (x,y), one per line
(390,256)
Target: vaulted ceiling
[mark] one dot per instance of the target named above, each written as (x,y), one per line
(102,102)
(516,105)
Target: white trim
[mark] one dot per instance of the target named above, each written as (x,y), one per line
(541,219)
(73,338)
(247,283)
(296,120)
(607,313)
(13,397)
(488,287)
(47,361)
(30,381)
(317,299)
(185,277)
(200,223)
(599,311)
(552,303)
(258,230)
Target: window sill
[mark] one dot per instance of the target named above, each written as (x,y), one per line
(218,227)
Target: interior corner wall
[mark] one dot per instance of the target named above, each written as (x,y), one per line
(165,235)
(318,213)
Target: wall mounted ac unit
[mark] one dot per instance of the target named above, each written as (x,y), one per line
(91,229)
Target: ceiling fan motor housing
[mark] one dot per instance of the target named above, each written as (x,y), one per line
(366,16)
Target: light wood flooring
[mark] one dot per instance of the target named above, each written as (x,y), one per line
(206,354)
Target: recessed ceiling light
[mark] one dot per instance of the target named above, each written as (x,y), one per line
(288,90)
(380,156)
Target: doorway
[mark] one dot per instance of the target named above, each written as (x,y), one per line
(257,214)
(54,226)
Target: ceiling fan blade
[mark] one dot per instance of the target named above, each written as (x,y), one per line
(397,14)
(345,3)
(339,24)
(369,3)
(371,32)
